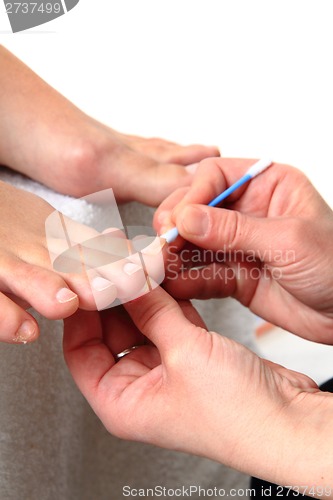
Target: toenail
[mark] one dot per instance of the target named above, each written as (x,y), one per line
(100,284)
(154,248)
(65,295)
(131,268)
(26,332)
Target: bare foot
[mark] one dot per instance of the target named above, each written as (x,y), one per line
(82,156)
(26,278)
(56,265)
(46,137)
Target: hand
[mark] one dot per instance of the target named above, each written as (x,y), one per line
(270,247)
(186,389)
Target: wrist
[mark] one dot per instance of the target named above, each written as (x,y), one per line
(294,446)
(289,444)
(311,443)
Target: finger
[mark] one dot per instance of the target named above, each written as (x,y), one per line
(90,345)
(158,316)
(281,190)
(228,230)
(270,299)
(192,314)
(16,325)
(123,334)
(212,281)
(297,379)
(162,221)
(212,177)
(86,354)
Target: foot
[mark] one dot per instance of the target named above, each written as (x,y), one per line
(83,156)
(26,276)
(47,138)
(56,265)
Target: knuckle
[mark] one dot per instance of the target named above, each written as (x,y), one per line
(230,229)
(297,229)
(153,315)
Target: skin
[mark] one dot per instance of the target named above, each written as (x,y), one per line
(92,278)
(250,414)
(47,138)
(277,234)
(153,393)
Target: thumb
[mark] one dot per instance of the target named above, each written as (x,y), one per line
(162,320)
(219,229)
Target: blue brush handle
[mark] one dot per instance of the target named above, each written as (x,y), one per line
(230,190)
(172,234)
(253,171)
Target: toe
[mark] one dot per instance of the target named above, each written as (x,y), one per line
(16,325)
(186,155)
(169,152)
(43,289)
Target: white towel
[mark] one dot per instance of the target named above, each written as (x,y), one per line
(52,446)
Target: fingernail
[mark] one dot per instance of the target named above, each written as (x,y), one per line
(65,295)
(164,217)
(26,332)
(165,229)
(193,220)
(191,169)
(100,284)
(131,268)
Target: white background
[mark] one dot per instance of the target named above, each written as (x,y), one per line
(253,77)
